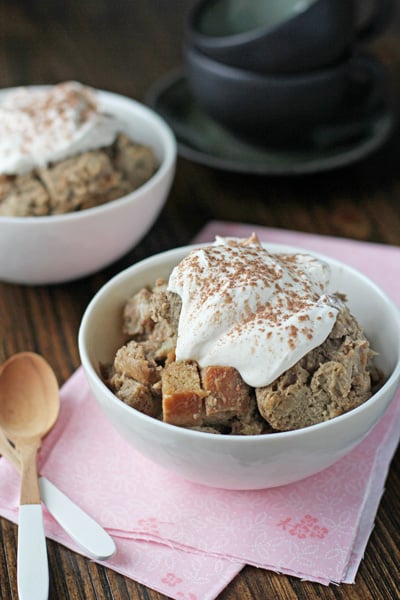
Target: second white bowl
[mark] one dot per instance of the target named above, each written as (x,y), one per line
(58,248)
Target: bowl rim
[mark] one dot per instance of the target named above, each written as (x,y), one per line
(164,133)
(121,277)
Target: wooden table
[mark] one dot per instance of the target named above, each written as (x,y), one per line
(125,47)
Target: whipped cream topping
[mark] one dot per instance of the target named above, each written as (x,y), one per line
(247,308)
(39,126)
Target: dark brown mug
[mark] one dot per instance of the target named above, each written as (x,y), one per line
(278,108)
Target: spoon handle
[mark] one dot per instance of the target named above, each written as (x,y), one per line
(30,493)
(32,565)
(78,524)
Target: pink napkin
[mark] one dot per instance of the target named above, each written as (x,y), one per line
(188,541)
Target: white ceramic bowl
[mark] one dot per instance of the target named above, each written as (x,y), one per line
(58,248)
(236,462)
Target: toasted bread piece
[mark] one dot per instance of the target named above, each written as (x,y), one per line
(142,397)
(182,395)
(229,394)
(132,362)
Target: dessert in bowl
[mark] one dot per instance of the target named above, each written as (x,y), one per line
(83,176)
(247,456)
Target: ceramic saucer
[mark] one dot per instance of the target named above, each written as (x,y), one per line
(202,140)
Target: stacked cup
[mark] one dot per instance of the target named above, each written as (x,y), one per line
(277,70)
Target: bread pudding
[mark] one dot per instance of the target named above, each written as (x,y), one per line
(242,341)
(59,152)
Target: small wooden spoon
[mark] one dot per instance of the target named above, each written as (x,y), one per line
(29,407)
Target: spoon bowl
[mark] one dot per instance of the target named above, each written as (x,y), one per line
(29,398)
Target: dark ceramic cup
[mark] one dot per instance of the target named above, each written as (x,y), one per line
(281,36)
(271,108)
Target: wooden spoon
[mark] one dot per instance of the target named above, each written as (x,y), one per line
(29,407)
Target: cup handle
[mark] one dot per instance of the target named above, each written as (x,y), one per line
(367,82)
(367,89)
(377,21)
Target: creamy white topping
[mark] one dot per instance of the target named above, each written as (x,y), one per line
(39,126)
(247,308)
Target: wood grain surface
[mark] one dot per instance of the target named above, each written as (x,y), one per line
(125,46)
